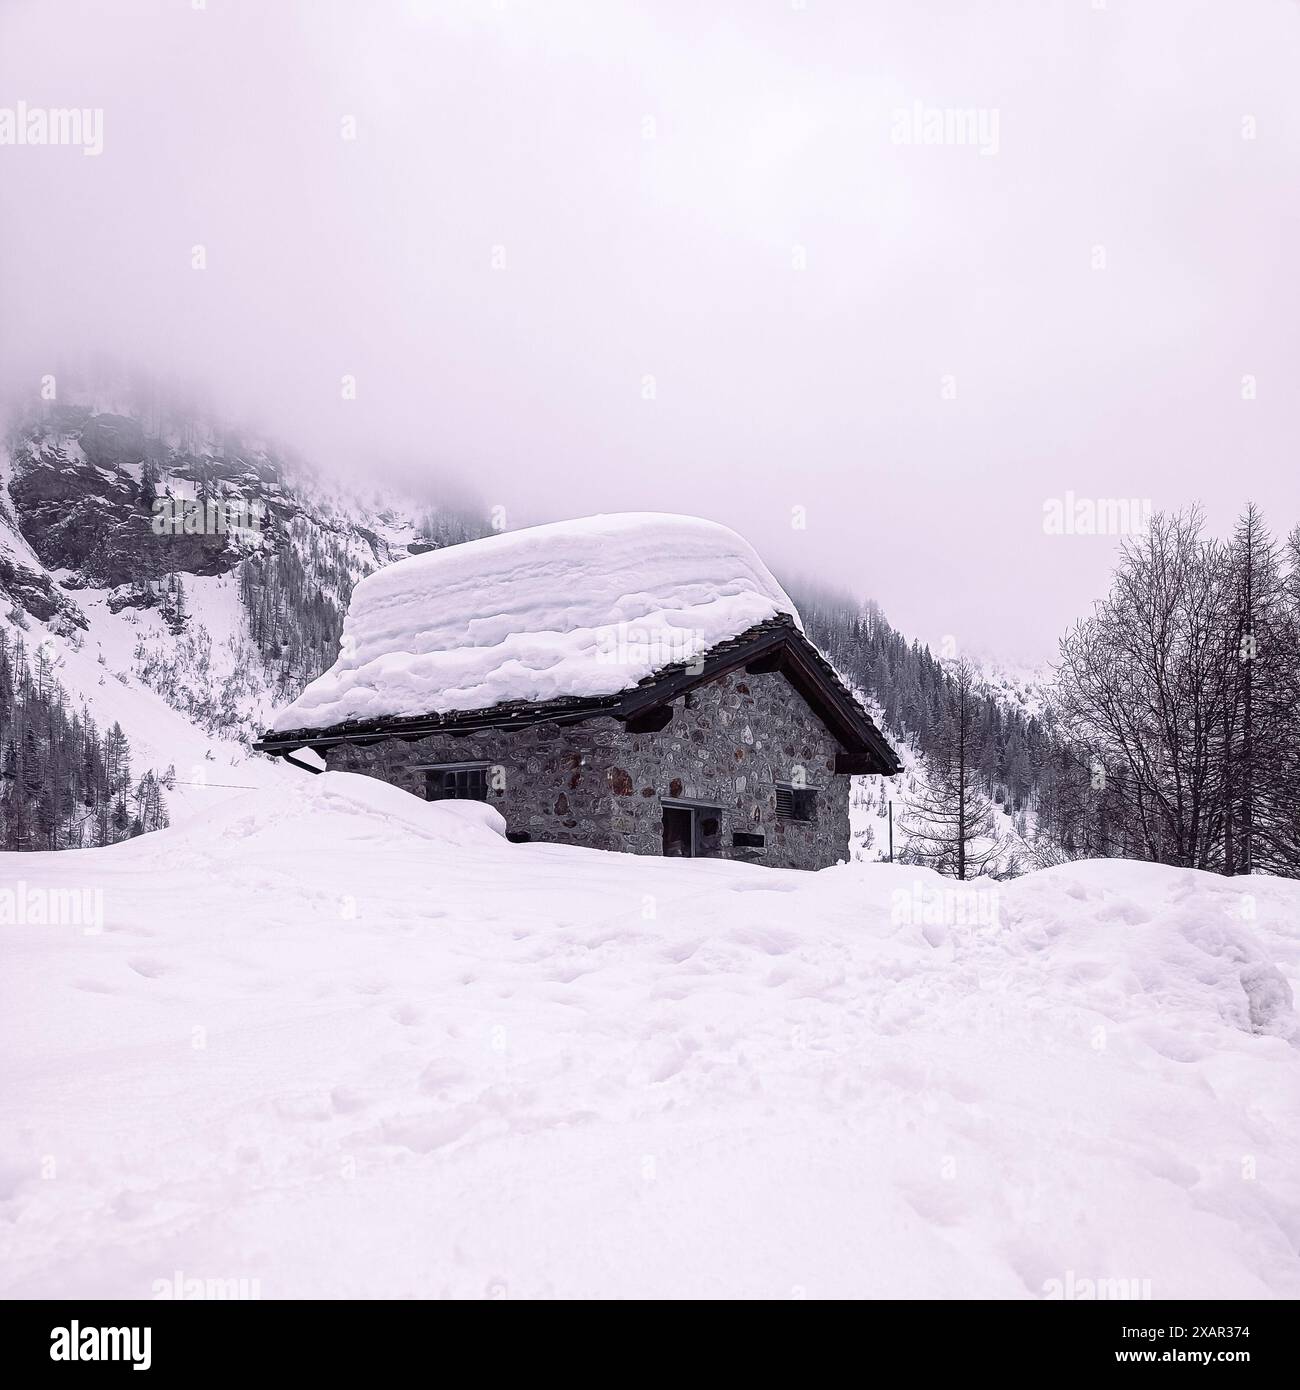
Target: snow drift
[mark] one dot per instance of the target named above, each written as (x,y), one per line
(331,1040)
(576,608)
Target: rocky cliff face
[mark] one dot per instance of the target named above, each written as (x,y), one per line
(88,492)
(100,504)
(79,504)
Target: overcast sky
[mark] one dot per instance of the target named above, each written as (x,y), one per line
(700,256)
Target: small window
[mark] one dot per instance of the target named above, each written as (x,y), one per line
(456,783)
(747,839)
(795,803)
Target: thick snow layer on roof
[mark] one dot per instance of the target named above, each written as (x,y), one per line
(577,608)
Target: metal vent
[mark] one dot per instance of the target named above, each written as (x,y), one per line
(795,803)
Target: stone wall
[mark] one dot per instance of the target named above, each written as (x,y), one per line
(550,782)
(730,743)
(594,784)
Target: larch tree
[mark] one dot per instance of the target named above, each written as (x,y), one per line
(950,823)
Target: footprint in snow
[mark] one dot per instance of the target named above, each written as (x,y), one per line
(668,1066)
(425,1133)
(683,951)
(439,1074)
(1161,1163)
(938,1204)
(14,1172)
(566,975)
(1128,912)
(95,987)
(129,1206)
(771,941)
(150,969)
(305,1107)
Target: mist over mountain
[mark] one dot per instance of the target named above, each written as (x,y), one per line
(601,257)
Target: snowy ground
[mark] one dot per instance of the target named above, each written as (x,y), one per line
(340,1042)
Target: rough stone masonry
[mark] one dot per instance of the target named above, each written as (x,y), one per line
(729,744)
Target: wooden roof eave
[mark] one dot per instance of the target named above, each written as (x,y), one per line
(779,648)
(411,728)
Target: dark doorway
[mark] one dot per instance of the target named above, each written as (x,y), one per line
(692,832)
(679,837)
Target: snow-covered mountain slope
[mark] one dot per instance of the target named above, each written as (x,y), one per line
(108,668)
(1026,688)
(181,579)
(356,1044)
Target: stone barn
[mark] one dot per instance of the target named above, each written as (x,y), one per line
(637,682)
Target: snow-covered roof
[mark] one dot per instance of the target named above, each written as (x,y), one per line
(583,608)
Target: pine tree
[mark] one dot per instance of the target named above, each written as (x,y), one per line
(149,486)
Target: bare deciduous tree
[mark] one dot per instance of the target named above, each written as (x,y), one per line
(1181,688)
(950,824)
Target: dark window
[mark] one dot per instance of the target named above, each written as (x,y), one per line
(795,803)
(747,839)
(456,784)
(692,832)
